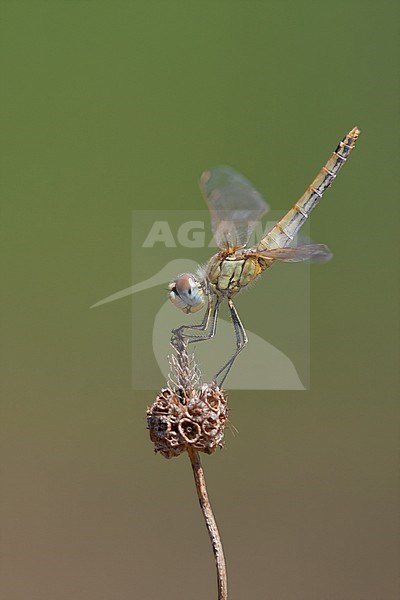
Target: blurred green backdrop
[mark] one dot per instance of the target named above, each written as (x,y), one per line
(112,106)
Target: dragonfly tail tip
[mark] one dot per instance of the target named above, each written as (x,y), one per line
(354,133)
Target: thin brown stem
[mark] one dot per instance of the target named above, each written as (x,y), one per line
(210,523)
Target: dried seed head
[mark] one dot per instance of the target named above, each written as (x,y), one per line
(180,418)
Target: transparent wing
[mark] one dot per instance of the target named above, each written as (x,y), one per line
(234,204)
(314,252)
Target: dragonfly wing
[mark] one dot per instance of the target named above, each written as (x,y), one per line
(314,252)
(234,204)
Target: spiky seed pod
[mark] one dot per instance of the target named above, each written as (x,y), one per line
(180,418)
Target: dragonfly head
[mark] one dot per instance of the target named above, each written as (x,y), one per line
(186,293)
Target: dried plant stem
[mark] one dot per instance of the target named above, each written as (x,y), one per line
(187,376)
(210,523)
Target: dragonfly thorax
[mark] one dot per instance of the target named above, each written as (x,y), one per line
(228,273)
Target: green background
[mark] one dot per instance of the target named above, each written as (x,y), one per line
(112,106)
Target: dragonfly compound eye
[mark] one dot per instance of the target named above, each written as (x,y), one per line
(186,293)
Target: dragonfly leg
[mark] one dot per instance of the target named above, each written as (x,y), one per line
(211,315)
(241,341)
(203,325)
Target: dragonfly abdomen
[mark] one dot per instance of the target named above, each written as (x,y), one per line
(285,231)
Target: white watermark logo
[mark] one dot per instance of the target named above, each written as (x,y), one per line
(194,234)
(275,313)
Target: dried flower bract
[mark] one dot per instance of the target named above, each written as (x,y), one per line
(178,419)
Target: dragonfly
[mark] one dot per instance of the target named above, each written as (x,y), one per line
(236,207)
